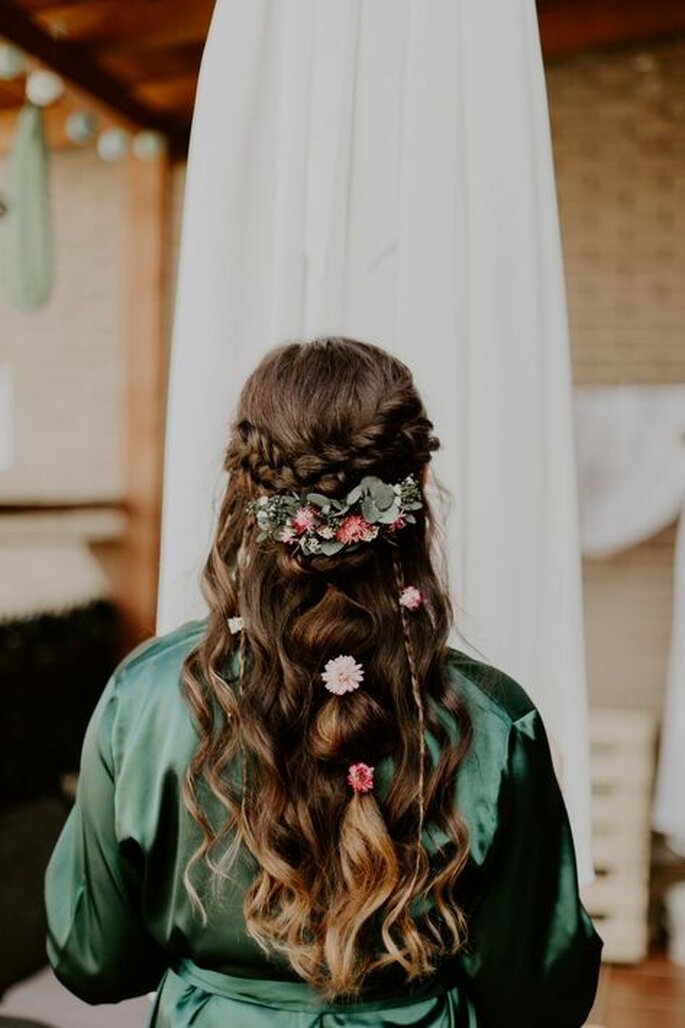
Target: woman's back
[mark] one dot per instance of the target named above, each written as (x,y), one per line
(306,802)
(118,918)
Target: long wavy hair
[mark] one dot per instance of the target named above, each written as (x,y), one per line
(343,884)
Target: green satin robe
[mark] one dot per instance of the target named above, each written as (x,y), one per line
(120,923)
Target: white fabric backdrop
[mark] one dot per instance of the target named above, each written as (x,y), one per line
(382,168)
(631,459)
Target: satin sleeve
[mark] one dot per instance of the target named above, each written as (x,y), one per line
(533,956)
(97,942)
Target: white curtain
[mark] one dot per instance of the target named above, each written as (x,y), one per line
(382,169)
(631,459)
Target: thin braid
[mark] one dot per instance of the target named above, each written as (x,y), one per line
(241,661)
(242,647)
(416,691)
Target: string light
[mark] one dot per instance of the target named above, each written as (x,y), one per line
(43,87)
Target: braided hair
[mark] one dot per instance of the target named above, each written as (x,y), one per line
(338,876)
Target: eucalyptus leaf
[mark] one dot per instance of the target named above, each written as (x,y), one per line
(331,546)
(370,510)
(354,495)
(383,495)
(410,519)
(318,500)
(367,482)
(388,516)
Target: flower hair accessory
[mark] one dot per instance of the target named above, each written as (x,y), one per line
(342,674)
(313,523)
(411,597)
(360,777)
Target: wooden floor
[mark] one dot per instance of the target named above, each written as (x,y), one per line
(651,995)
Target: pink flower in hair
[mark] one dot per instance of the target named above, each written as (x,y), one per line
(342,674)
(303,519)
(360,777)
(411,598)
(397,524)
(356,529)
(288,535)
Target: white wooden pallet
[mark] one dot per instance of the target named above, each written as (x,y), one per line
(622,767)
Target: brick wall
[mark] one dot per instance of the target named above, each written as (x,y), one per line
(618,127)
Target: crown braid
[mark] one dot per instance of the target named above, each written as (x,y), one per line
(398,433)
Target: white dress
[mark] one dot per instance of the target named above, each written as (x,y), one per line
(382,169)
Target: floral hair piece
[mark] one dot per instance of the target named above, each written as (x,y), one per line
(235,625)
(411,597)
(342,674)
(313,523)
(360,777)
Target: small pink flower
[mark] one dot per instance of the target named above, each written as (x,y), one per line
(397,524)
(326,532)
(342,674)
(355,529)
(287,534)
(360,777)
(303,520)
(411,598)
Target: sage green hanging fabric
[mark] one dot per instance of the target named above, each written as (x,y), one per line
(28,254)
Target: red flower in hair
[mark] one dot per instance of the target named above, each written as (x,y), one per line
(360,777)
(303,520)
(356,529)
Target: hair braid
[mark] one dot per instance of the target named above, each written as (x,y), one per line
(418,700)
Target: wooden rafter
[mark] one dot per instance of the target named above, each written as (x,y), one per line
(572,26)
(141,65)
(12,93)
(177,93)
(76,66)
(43,5)
(106,26)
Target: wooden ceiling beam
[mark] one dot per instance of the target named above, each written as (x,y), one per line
(44,5)
(164,94)
(572,26)
(12,93)
(78,68)
(142,65)
(106,27)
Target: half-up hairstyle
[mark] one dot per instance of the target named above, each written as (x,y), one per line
(343,884)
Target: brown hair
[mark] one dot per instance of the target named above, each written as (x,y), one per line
(337,874)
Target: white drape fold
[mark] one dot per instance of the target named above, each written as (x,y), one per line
(382,169)
(631,466)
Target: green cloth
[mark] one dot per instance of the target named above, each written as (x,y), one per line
(120,923)
(29,244)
